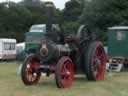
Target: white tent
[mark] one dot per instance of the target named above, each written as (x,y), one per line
(20,47)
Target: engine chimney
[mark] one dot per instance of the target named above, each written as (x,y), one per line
(50,16)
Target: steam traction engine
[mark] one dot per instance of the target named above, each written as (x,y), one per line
(64,55)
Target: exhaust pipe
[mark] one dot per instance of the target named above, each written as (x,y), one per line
(50,16)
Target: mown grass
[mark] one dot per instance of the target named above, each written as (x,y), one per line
(115,84)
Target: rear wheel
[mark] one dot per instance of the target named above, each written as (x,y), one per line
(64,73)
(30,70)
(95,61)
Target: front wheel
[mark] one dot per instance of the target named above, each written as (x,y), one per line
(64,73)
(30,72)
(95,61)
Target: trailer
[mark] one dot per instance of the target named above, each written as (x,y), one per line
(35,35)
(118,47)
(7,49)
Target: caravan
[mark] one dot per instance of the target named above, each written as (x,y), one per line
(7,49)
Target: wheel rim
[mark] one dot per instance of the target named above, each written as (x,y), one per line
(66,74)
(99,63)
(32,72)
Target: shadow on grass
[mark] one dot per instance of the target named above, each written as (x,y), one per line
(47,83)
(52,83)
(80,79)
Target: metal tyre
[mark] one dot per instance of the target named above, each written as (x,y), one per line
(95,61)
(64,73)
(30,72)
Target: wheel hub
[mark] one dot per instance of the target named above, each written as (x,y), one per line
(98,63)
(67,73)
(28,66)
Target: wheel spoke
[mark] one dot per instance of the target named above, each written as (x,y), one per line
(31,73)
(67,74)
(66,78)
(98,62)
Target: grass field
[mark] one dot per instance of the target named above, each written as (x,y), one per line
(115,84)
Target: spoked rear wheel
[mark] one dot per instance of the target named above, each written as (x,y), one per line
(95,61)
(64,73)
(30,72)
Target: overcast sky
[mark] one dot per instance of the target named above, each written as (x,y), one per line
(58,3)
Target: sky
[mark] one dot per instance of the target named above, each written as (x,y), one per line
(58,3)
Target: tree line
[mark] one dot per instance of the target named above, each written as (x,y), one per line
(98,15)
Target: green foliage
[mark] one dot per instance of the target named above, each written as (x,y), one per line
(13,21)
(72,11)
(71,15)
(100,14)
(16,18)
(70,27)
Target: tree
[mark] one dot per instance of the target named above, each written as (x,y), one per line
(100,15)
(72,11)
(13,21)
(71,15)
(16,18)
(31,2)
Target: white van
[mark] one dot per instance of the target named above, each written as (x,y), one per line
(7,49)
(20,47)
